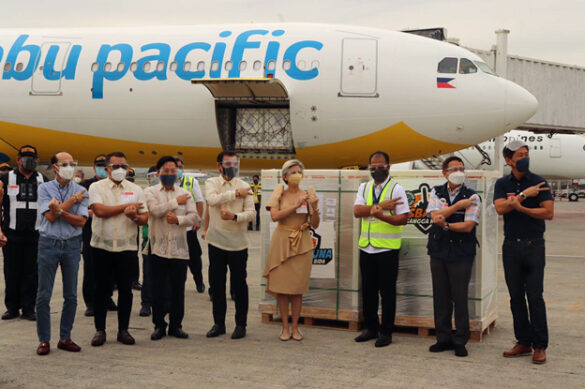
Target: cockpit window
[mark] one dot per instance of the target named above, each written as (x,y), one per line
(466,66)
(448,65)
(485,68)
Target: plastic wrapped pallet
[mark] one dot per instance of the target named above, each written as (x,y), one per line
(334,284)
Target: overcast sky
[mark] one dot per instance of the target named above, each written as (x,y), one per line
(541,29)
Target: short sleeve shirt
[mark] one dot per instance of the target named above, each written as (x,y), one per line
(472,213)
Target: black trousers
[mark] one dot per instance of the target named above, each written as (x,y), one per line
(219,260)
(20,270)
(112,267)
(257,207)
(379,273)
(146,291)
(195,252)
(524,263)
(450,290)
(172,272)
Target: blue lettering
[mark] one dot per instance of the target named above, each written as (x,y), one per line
(69,72)
(240,46)
(1,53)
(164,52)
(217,56)
(18,47)
(71,67)
(291,55)
(182,56)
(101,74)
(272,53)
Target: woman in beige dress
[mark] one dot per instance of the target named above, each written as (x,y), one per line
(288,266)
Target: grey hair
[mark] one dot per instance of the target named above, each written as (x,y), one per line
(289,164)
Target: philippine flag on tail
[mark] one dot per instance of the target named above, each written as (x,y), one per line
(445,83)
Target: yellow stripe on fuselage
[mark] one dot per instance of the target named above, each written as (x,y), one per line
(400,141)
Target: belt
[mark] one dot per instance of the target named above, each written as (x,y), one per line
(520,240)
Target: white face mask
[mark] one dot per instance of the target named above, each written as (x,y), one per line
(118,175)
(456,178)
(77,180)
(66,172)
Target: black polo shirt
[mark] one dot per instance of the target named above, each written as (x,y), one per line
(518,224)
(86,234)
(27,192)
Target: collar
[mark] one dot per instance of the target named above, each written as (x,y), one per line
(113,185)
(383,183)
(162,188)
(452,192)
(224,181)
(526,177)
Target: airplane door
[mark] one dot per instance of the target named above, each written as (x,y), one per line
(359,67)
(46,80)
(555,148)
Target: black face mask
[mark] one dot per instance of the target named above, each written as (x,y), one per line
(523,165)
(29,164)
(380,174)
(256,182)
(230,172)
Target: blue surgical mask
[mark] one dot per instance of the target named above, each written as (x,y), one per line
(523,165)
(179,174)
(100,172)
(168,179)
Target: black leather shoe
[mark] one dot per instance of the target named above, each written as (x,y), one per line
(99,338)
(178,333)
(158,333)
(111,305)
(125,337)
(216,330)
(200,287)
(9,315)
(30,316)
(89,312)
(383,340)
(366,335)
(144,310)
(460,350)
(440,347)
(239,332)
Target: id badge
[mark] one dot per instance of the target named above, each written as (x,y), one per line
(370,219)
(303,209)
(13,190)
(128,197)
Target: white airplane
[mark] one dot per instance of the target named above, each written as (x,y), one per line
(327,94)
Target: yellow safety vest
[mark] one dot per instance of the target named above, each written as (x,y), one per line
(257,190)
(187,184)
(375,232)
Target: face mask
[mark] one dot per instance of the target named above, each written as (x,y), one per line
(66,172)
(179,174)
(100,172)
(255,182)
(168,179)
(230,172)
(295,179)
(29,164)
(456,178)
(523,165)
(118,175)
(153,180)
(380,174)
(77,180)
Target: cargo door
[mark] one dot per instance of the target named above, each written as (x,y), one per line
(46,79)
(359,67)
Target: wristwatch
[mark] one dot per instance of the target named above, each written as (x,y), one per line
(235,217)
(446,227)
(521,194)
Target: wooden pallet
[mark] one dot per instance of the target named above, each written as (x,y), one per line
(351,321)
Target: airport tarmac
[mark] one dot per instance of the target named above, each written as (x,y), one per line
(325,359)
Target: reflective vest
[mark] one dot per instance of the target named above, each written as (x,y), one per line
(257,190)
(375,232)
(187,184)
(13,191)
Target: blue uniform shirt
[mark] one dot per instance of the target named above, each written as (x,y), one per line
(60,229)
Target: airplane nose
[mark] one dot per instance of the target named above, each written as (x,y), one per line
(521,105)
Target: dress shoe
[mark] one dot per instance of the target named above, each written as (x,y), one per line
(200,287)
(239,332)
(9,315)
(383,340)
(216,330)
(439,347)
(99,338)
(44,348)
(518,350)
(460,350)
(68,345)
(145,310)
(178,333)
(30,316)
(539,356)
(89,312)
(111,305)
(158,333)
(125,337)
(136,285)
(366,335)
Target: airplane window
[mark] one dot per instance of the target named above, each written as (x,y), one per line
(187,66)
(229,65)
(301,64)
(19,67)
(160,66)
(108,66)
(94,67)
(447,65)
(120,67)
(286,65)
(466,66)
(8,65)
(257,65)
(485,68)
(146,66)
(243,65)
(272,65)
(214,66)
(541,147)
(133,67)
(315,64)
(173,66)
(201,66)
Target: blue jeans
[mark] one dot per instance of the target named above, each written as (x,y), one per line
(52,253)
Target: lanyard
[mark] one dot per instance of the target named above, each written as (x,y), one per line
(377,198)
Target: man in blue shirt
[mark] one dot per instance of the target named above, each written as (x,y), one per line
(525,200)
(64,208)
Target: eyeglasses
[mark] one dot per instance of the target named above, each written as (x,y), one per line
(230,164)
(116,166)
(66,164)
(455,169)
(373,168)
